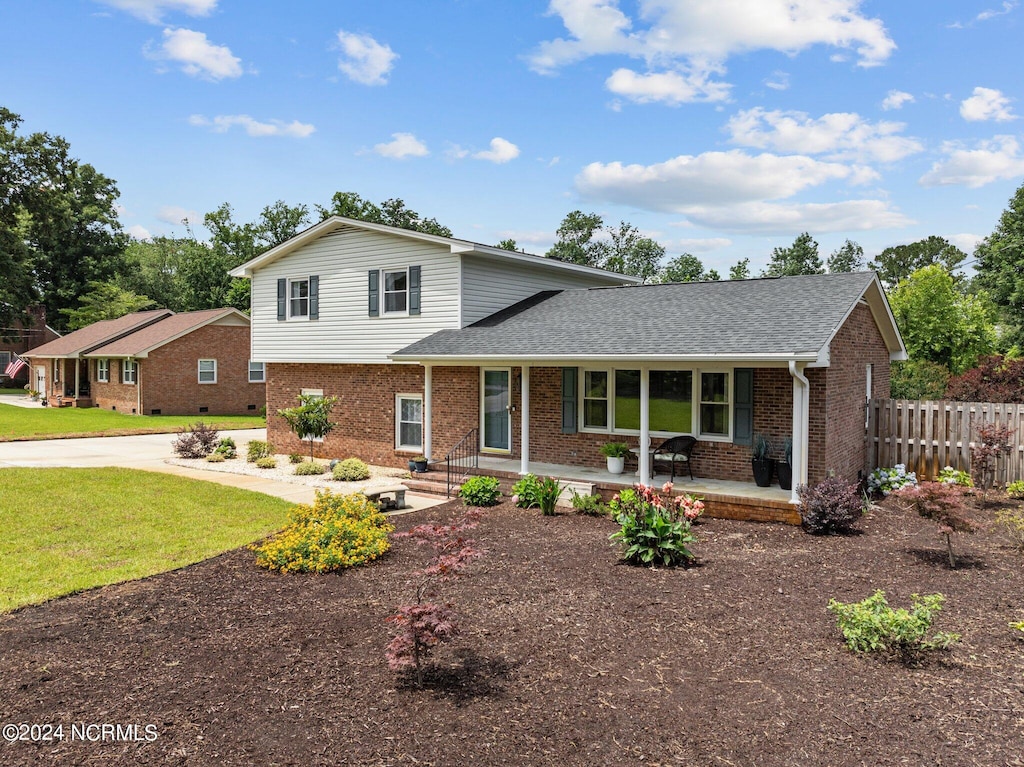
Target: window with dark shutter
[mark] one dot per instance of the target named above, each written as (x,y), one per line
(314,297)
(374,293)
(282,300)
(569,400)
(743,406)
(414,290)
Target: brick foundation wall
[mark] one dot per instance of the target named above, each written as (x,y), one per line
(365,412)
(857,344)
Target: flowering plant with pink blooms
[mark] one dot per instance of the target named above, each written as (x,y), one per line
(655,529)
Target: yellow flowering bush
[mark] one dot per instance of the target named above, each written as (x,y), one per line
(337,531)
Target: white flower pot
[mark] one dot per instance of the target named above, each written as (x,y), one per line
(616,465)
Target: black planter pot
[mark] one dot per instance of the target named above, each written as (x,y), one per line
(762,471)
(418,466)
(784,471)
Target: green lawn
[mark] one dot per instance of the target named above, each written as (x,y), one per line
(12,391)
(20,423)
(66,530)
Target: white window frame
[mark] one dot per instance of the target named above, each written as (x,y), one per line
(729,403)
(290,299)
(608,398)
(399,446)
(384,293)
(695,422)
(201,371)
(129,370)
(262,370)
(314,393)
(103,371)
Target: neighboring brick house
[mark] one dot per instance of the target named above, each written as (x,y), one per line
(156,363)
(20,337)
(424,339)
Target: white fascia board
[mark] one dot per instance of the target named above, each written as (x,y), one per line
(772,360)
(551,263)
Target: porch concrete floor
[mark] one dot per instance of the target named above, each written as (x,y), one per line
(683,484)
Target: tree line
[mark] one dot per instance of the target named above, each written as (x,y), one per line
(62,245)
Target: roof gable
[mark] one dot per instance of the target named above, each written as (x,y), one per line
(141,342)
(98,333)
(763,319)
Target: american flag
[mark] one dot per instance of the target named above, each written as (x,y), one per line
(16,364)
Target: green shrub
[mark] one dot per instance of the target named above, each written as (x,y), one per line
(591,505)
(351,470)
(266,462)
(650,532)
(1012,521)
(1016,489)
(951,476)
(294,458)
(227,448)
(548,493)
(1019,625)
(216,457)
(884,481)
(337,531)
(873,626)
(527,492)
(480,491)
(310,469)
(259,449)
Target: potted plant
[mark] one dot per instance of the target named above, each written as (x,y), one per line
(418,464)
(762,461)
(784,468)
(33,395)
(616,453)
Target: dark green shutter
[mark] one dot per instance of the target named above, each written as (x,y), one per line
(374,298)
(282,299)
(314,297)
(414,290)
(569,400)
(743,406)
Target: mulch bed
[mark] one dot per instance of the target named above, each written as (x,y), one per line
(567,657)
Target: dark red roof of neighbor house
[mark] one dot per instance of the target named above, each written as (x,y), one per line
(159,333)
(88,338)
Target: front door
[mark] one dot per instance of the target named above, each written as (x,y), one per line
(41,382)
(495,410)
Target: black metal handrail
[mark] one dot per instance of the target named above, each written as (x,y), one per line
(464,455)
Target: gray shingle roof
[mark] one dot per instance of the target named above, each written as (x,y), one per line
(762,317)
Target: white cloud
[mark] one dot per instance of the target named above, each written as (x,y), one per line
(966,242)
(991,13)
(223,123)
(735,191)
(779,81)
(154,10)
(139,232)
(839,135)
(501,151)
(455,152)
(197,55)
(689,39)
(997,159)
(364,59)
(175,214)
(704,245)
(671,87)
(401,146)
(986,104)
(896,99)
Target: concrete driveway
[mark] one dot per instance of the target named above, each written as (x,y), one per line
(148,452)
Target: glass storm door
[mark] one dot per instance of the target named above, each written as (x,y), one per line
(496,418)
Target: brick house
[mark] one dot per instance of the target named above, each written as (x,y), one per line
(156,363)
(23,335)
(426,340)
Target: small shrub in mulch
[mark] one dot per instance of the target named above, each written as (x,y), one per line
(266,462)
(943,504)
(257,449)
(196,440)
(831,506)
(311,469)
(227,448)
(481,491)
(351,470)
(651,530)
(336,532)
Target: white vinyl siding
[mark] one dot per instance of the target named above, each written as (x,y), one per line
(490,285)
(345,333)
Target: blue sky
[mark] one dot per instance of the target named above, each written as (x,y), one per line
(721,128)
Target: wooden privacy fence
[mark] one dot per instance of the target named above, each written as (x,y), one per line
(927,435)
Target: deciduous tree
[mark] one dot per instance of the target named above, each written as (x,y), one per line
(1001,267)
(799,258)
(900,261)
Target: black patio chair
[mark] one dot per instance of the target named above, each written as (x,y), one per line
(675,450)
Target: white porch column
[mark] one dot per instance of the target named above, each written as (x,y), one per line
(801,428)
(524,422)
(428,384)
(645,426)
(78,364)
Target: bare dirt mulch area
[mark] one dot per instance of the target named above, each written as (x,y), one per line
(567,657)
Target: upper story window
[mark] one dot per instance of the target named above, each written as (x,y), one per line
(396,292)
(103,371)
(298,298)
(207,371)
(257,372)
(129,371)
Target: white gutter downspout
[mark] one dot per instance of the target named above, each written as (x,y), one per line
(801,427)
